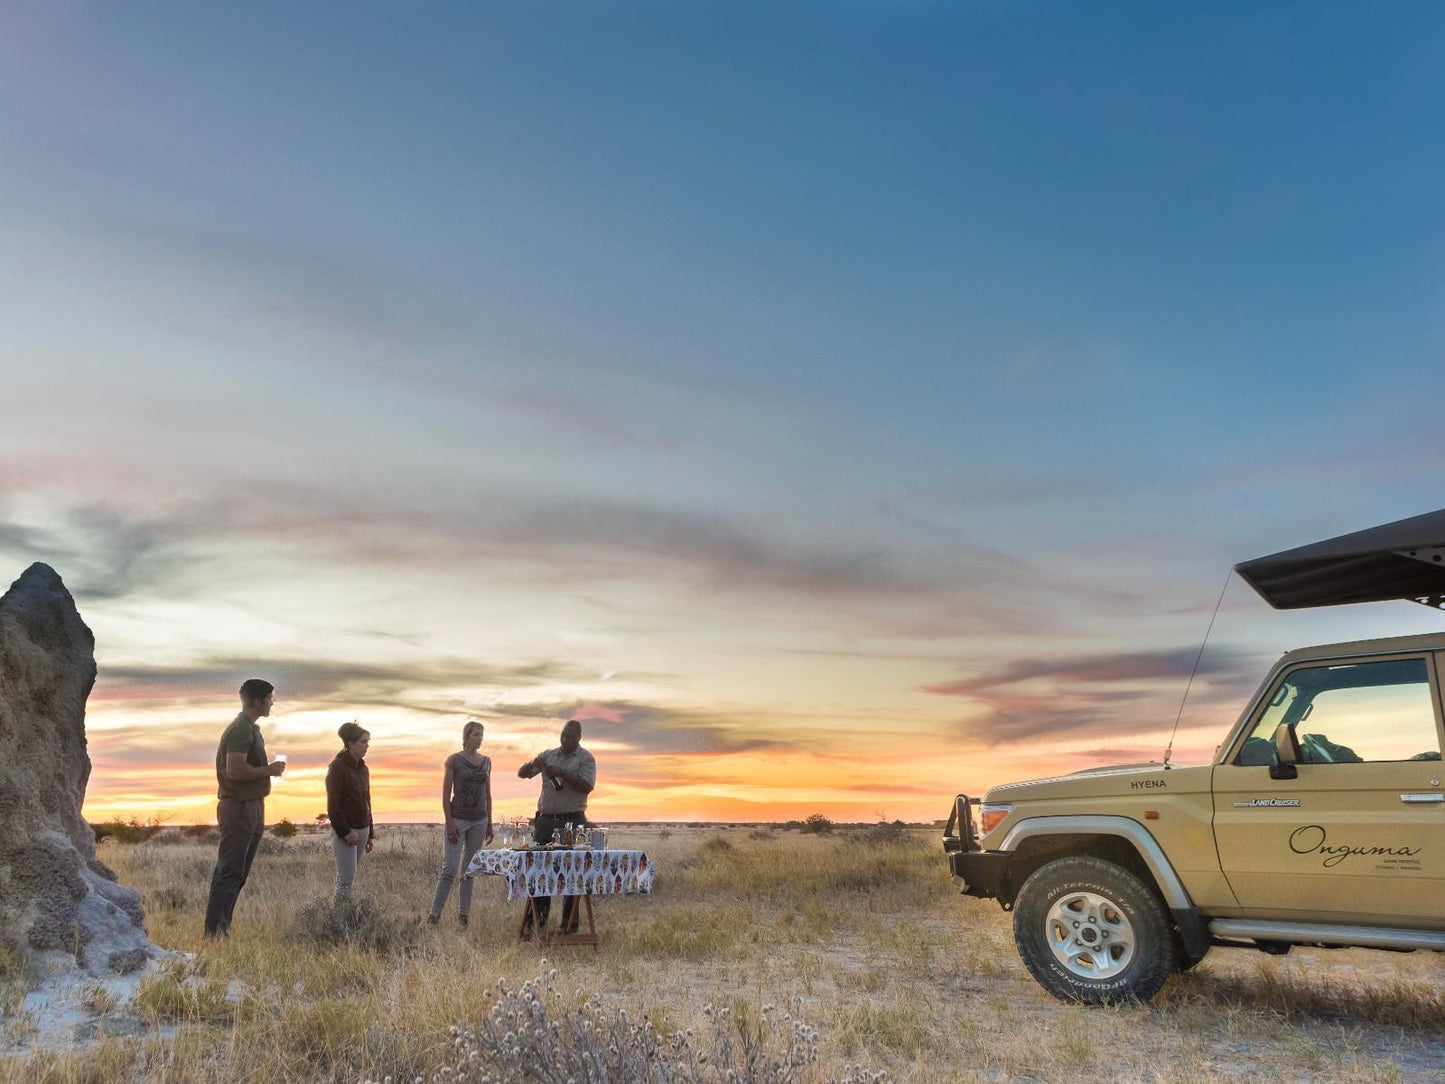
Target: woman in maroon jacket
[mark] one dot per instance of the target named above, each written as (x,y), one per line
(348,805)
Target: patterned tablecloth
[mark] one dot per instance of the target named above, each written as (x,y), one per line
(566,872)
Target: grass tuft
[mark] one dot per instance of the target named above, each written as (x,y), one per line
(356,921)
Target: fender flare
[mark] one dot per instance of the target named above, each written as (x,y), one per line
(1176,896)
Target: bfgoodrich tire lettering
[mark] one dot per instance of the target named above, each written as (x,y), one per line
(1091,931)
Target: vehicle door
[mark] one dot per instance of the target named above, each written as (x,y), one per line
(1359,833)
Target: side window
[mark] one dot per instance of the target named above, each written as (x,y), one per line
(1350,714)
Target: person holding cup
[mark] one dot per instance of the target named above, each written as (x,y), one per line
(348,805)
(243,779)
(467,814)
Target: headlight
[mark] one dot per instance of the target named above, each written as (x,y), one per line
(990,816)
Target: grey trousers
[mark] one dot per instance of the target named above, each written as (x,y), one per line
(457,856)
(241,825)
(347,859)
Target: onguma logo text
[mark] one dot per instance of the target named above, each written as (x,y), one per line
(1311,839)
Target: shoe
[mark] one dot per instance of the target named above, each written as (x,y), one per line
(462,919)
(432,920)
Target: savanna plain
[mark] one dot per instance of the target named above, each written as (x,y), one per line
(776,954)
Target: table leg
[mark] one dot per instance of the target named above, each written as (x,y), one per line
(588,938)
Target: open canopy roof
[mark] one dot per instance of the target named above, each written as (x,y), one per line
(1400,560)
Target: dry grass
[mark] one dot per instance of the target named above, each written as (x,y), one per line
(894,969)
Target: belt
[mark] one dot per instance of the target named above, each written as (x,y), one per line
(570,813)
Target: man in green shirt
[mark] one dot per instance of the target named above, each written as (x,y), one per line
(243,779)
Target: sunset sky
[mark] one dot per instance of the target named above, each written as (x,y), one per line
(835,406)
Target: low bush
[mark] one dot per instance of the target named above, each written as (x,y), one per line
(128,831)
(354,920)
(890,832)
(534,1033)
(284,829)
(817,823)
(174,898)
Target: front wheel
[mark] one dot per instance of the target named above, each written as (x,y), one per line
(1091,931)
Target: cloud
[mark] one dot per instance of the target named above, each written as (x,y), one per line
(652,729)
(1117,755)
(433,686)
(102,554)
(885,582)
(1089,696)
(1087,669)
(109,551)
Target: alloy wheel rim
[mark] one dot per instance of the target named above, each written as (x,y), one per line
(1089,935)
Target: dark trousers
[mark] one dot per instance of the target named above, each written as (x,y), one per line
(241,825)
(543,831)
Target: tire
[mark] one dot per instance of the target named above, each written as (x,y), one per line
(1090,931)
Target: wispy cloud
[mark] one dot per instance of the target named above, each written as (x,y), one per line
(1132,666)
(102,553)
(560,540)
(652,728)
(1088,696)
(425,685)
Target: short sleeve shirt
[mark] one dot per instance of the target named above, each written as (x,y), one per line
(242,736)
(567,800)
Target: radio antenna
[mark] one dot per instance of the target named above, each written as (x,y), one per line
(1169,750)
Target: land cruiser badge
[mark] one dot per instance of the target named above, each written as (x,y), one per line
(1266,803)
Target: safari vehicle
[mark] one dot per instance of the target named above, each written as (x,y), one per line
(1321,820)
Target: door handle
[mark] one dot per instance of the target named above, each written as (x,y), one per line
(1436,798)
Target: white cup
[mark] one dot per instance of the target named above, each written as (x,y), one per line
(277,778)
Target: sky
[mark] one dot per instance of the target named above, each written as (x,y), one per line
(835,407)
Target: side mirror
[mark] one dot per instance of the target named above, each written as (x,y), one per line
(1286,753)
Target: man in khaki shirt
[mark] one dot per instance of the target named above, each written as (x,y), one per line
(243,779)
(569,773)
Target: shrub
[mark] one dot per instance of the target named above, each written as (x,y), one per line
(889,832)
(354,920)
(129,831)
(204,832)
(172,898)
(534,1034)
(817,823)
(284,829)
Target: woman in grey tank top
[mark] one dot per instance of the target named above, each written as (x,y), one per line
(467,813)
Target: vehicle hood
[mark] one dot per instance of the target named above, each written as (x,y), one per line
(1101,782)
